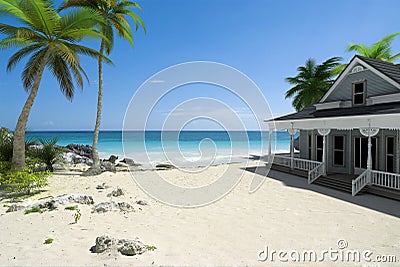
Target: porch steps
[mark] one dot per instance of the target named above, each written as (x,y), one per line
(335,183)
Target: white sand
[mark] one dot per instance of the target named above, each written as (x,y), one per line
(285,213)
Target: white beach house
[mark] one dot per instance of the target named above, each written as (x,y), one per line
(350,139)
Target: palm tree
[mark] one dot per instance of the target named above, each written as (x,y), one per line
(51,40)
(114,13)
(311,83)
(381,50)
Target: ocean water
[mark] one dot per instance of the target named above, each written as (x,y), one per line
(184,148)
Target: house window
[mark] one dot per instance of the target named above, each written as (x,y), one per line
(309,146)
(359,93)
(357,69)
(338,150)
(319,147)
(390,154)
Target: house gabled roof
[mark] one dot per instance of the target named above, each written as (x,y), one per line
(386,70)
(384,115)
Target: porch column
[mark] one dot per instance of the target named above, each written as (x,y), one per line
(324,133)
(269,147)
(397,151)
(369,132)
(292,132)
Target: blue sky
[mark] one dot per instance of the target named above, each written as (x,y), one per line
(266,40)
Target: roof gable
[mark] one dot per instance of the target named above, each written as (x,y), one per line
(385,70)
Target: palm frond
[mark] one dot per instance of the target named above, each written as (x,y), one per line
(30,71)
(15,58)
(41,15)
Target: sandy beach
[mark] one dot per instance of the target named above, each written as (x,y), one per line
(284,214)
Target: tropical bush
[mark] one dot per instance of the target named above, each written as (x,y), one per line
(47,152)
(6,145)
(24,181)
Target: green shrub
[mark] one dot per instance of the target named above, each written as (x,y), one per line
(25,181)
(49,153)
(48,241)
(34,210)
(6,145)
(71,207)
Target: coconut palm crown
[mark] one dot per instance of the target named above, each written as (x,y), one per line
(311,83)
(49,40)
(114,13)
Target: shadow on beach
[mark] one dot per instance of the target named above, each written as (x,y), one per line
(377,203)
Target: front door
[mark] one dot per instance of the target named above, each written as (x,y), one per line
(361,154)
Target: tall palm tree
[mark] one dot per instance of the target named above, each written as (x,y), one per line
(114,13)
(381,50)
(51,41)
(311,83)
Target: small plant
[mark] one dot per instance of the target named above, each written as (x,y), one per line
(48,241)
(34,210)
(71,207)
(151,248)
(77,215)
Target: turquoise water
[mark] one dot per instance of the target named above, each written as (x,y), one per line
(196,147)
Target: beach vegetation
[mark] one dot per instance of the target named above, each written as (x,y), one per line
(48,152)
(151,248)
(77,215)
(6,145)
(71,207)
(115,13)
(311,82)
(49,39)
(23,181)
(34,210)
(48,241)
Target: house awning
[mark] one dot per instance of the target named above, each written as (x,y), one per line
(382,121)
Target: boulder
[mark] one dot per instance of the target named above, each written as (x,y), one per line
(81,150)
(58,167)
(131,247)
(53,203)
(15,207)
(104,243)
(92,172)
(105,207)
(74,198)
(123,206)
(110,206)
(116,193)
(112,159)
(129,162)
(128,247)
(108,166)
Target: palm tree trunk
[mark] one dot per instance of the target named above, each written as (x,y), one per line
(18,159)
(95,153)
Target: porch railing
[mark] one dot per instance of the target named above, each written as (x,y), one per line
(385,179)
(314,168)
(315,173)
(359,183)
(379,178)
